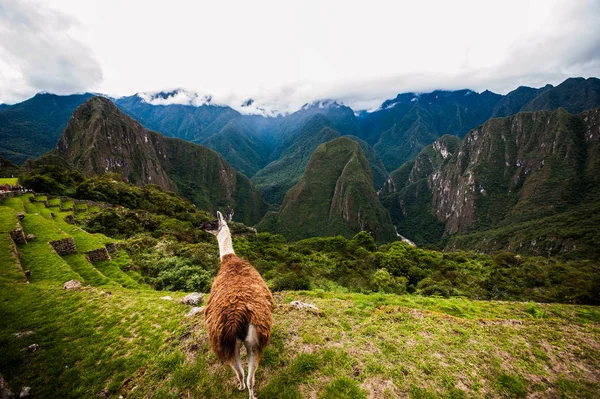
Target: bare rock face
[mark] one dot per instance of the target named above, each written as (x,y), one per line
(192,299)
(72,285)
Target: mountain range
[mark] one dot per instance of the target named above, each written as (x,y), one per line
(503,176)
(461,162)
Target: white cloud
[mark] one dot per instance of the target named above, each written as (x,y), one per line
(39,52)
(285,54)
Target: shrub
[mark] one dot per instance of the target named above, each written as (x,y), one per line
(290,281)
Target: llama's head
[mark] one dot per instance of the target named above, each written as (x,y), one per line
(215,226)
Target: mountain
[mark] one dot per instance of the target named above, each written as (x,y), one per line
(185,121)
(335,196)
(7,168)
(342,119)
(239,144)
(574,95)
(100,138)
(514,101)
(508,171)
(401,127)
(33,127)
(275,179)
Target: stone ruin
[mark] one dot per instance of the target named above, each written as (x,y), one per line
(97,255)
(111,247)
(64,246)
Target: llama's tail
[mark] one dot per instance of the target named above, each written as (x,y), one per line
(235,326)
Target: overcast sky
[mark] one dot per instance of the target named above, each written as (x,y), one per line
(286,53)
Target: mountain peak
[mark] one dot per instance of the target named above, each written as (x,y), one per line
(322,104)
(177,96)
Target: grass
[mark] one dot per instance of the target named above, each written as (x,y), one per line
(117,337)
(12,181)
(8,219)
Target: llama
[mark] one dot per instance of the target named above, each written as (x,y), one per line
(238,310)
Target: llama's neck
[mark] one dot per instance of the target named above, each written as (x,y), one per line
(224,239)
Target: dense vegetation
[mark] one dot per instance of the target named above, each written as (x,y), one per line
(163,239)
(527,183)
(31,128)
(335,196)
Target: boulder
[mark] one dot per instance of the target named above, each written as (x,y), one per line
(192,299)
(5,393)
(72,285)
(195,310)
(32,348)
(25,392)
(23,334)
(167,298)
(305,306)
(30,237)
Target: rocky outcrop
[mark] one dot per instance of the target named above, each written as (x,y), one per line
(111,247)
(5,392)
(72,285)
(64,246)
(192,299)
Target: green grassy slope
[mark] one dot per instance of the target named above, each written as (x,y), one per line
(118,338)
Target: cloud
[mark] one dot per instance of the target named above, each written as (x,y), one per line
(283,56)
(39,52)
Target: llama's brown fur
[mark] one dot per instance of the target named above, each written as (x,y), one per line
(238,297)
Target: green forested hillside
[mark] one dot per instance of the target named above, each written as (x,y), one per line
(334,196)
(100,139)
(504,178)
(31,128)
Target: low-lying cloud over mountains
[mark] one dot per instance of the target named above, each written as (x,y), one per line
(267,59)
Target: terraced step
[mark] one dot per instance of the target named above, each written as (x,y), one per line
(48,224)
(39,256)
(114,270)
(91,275)
(10,268)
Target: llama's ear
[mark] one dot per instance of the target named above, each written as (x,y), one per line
(221,219)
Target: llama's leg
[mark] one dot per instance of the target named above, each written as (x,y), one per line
(236,366)
(251,344)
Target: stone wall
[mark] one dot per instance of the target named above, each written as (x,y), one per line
(64,246)
(15,254)
(111,247)
(97,255)
(45,202)
(7,194)
(18,235)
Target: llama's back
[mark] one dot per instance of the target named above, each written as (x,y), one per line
(238,297)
